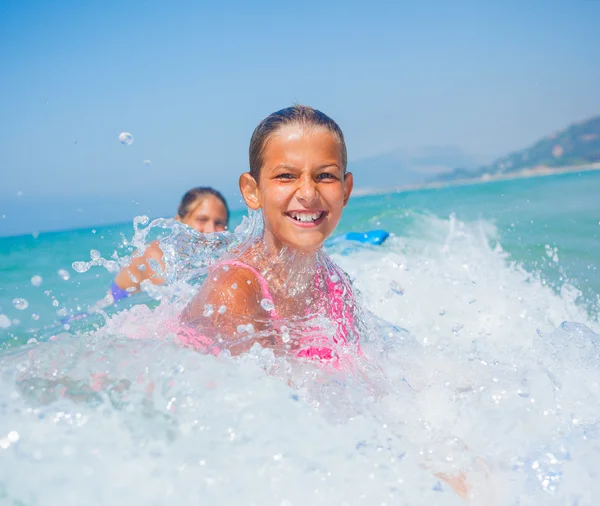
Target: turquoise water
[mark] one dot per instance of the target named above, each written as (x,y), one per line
(485,360)
(550,226)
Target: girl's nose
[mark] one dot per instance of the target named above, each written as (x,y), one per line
(209,227)
(307,190)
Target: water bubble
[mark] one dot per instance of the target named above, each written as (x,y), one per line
(249,329)
(126,138)
(55,303)
(234,286)
(457,328)
(33,340)
(94,254)
(396,288)
(4,321)
(147,162)
(442,312)
(65,275)
(36,280)
(285,334)
(20,193)
(20,303)
(222,309)
(79,267)
(267,304)
(208,310)
(35,316)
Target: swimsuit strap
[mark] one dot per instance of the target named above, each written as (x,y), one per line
(264,287)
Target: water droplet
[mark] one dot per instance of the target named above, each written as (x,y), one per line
(35,316)
(147,162)
(249,329)
(65,275)
(442,312)
(222,310)
(456,328)
(234,286)
(78,267)
(20,304)
(94,254)
(267,304)
(33,340)
(285,334)
(396,288)
(36,280)
(126,138)
(55,303)
(208,310)
(4,321)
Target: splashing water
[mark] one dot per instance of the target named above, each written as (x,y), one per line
(489,381)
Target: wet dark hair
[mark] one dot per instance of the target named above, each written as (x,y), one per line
(194,195)
(302,115)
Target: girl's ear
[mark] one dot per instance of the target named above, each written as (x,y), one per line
(348,185)
(249,190)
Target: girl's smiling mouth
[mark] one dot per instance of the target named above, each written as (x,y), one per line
(306,218)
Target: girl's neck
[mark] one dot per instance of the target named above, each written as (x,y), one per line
(288,270)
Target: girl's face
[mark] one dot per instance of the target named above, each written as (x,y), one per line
(302,188)
(208,216)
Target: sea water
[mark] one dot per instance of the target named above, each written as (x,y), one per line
(488,367)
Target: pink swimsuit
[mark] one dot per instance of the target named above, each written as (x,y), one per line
(311,347)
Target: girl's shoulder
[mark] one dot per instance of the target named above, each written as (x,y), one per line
(231,288)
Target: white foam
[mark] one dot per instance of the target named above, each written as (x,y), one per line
(487,380)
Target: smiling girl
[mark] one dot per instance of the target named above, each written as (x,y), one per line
(281,289)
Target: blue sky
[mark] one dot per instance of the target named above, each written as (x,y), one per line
(190,80)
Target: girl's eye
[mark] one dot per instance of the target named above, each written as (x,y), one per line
(326,175)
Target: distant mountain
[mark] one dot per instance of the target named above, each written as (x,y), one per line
(410,166)
(578,145)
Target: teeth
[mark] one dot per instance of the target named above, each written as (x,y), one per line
(306,217)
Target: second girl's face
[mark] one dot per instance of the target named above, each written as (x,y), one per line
(210,215)
(302,188)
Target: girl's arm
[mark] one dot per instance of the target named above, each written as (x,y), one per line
(141,268)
